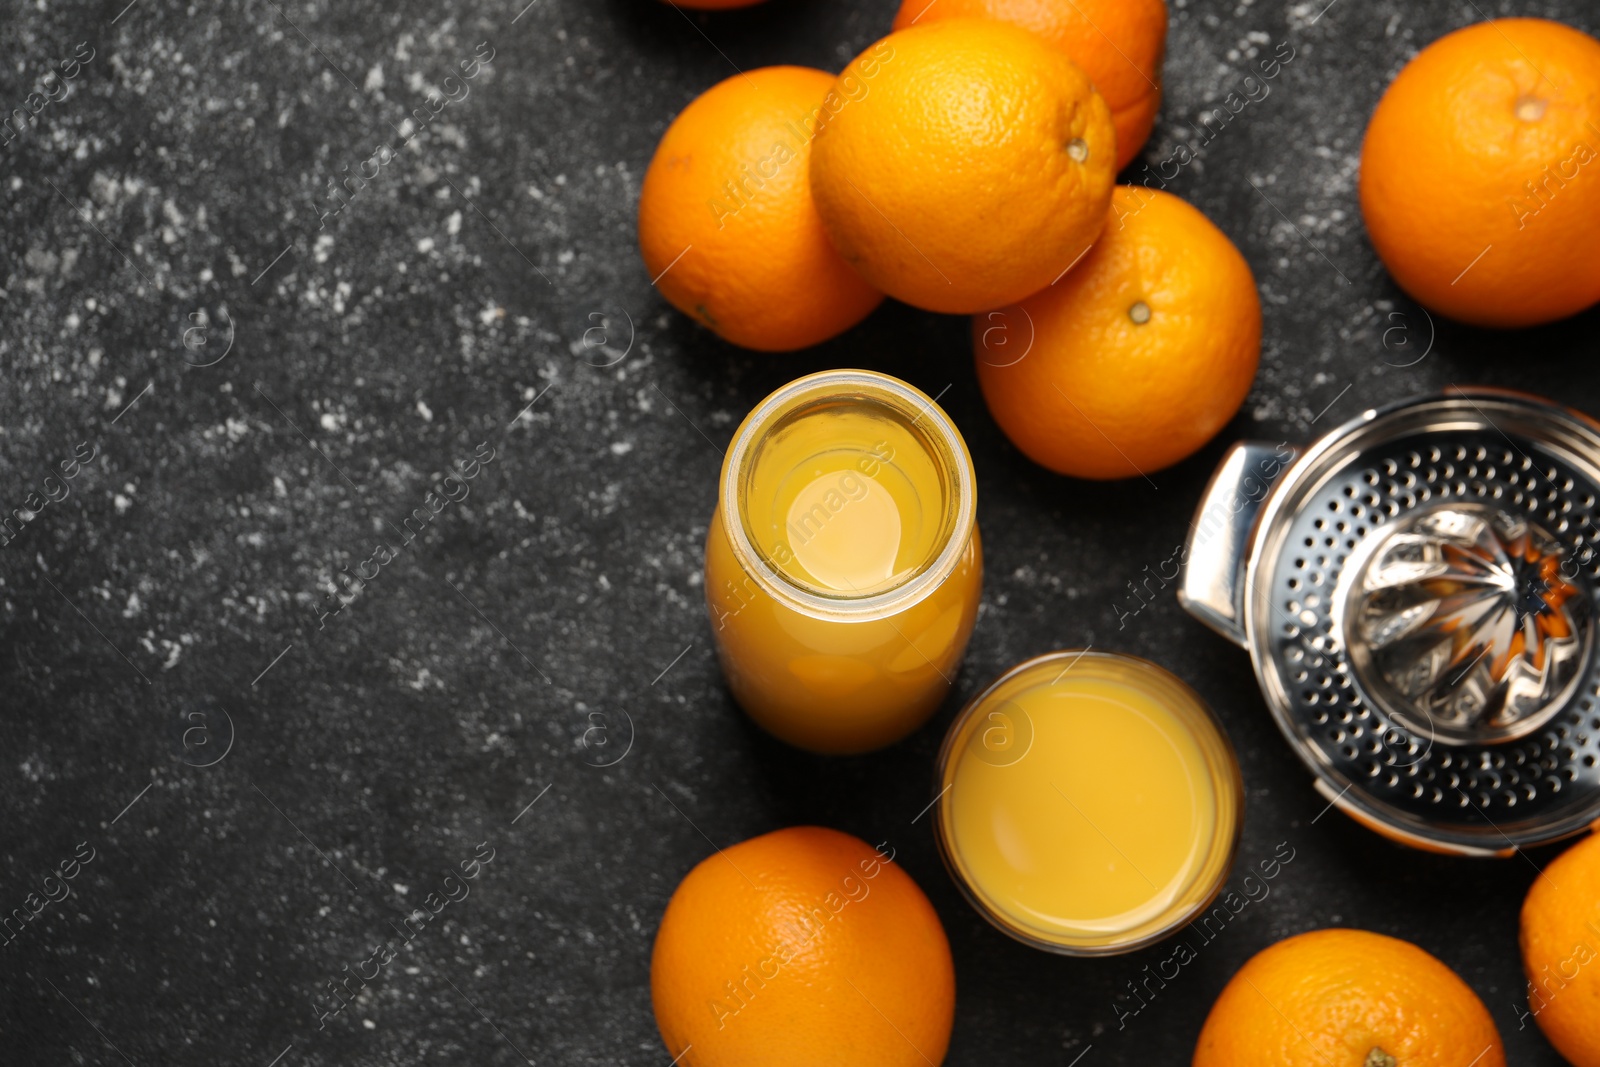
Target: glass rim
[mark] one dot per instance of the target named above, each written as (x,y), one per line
(951,456)
(1228,774)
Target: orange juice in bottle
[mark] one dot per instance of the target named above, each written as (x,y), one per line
(843,565)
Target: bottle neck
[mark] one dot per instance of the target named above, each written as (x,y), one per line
(848,493)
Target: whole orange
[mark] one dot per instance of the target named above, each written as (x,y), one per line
(1561,952)
(1479,179)
(726,223)
(1120,44)
(800,947)
(1137,357)
(967,165)
(1347,998)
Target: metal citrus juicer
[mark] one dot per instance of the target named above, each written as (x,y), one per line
(1417,592)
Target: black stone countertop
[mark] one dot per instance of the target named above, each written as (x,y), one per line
(159,617)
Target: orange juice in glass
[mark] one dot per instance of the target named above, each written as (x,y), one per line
(843,565)
(1089,803)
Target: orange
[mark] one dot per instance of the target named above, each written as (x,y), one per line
(1561,952)
(1134,359)
(1347,998)
(726,222)
(1479,178)
(1120,44)
(800,947)
(968,165)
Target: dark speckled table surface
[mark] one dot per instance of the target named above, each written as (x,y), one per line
(264,392)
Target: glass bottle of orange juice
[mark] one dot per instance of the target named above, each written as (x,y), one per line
(843,565)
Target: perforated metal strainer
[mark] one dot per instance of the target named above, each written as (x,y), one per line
(1417,591)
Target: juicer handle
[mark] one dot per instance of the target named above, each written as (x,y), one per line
(1212,589)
